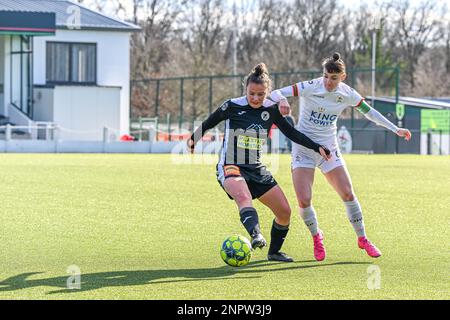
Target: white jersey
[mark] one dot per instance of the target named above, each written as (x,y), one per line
(320,108)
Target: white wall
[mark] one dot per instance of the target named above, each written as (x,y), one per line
(43,104)
(83,112)
(2,73)
(113,62)
(440,144)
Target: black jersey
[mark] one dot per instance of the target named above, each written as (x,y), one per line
(247,131)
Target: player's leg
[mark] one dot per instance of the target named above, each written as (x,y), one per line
(237,188)
(276,201)
(303,179)
(339,178)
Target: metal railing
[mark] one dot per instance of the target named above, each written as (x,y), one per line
(182,100)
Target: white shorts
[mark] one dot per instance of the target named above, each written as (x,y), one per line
(303,157)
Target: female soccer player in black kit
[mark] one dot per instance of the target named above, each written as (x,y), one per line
(240,171)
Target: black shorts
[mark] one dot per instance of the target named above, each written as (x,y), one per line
(259,180)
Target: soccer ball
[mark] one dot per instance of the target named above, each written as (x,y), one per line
(236,251)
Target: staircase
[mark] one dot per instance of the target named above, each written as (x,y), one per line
(4,120)
(16,134)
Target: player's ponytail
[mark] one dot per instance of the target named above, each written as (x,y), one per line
(259,75)
(334,64)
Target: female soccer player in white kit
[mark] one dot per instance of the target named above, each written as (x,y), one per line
(324,100)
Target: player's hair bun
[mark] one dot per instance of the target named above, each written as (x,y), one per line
(259,75)
(336,56)
(260,69)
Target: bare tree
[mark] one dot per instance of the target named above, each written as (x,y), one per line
(415,29)
(431,76)
(202,44)
(446,38)
(203,35)
(318,28)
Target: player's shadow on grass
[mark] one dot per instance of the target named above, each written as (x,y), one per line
(93,281)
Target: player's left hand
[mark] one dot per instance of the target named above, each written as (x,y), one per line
(190,145)
(325,153)
(284,107)
(404,133)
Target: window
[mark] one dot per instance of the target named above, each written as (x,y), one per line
(71,63)
(21,75)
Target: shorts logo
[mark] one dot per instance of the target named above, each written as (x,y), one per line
(337,154)
(265,115)
(232,171)
(298,158)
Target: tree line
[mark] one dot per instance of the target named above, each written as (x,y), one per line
(213,37)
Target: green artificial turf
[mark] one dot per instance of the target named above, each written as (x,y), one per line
(150,227)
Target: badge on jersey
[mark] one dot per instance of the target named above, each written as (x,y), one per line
(224,106)
(340,99)
(265,115)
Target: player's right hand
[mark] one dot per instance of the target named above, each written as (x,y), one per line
(405,133)
(284,107)
(325,153)
(190,145)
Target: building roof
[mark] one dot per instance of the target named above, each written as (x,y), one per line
(417,102)
(89,19)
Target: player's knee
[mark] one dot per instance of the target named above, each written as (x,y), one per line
(285,212)
(348,195)
(284,216)
(304,202)
(243,197)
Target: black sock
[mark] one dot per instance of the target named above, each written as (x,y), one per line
(278,234)
(249,218)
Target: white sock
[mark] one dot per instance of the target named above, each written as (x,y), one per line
(310,219)
(354,214)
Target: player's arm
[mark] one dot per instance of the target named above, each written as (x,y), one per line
(280,96)
(213,120)
(376,117)
(298,137)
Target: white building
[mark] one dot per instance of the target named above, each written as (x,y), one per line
(65,64)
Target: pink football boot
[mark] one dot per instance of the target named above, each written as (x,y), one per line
(319,249)
(371,249)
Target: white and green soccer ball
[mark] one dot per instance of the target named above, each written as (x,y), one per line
(236,251)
